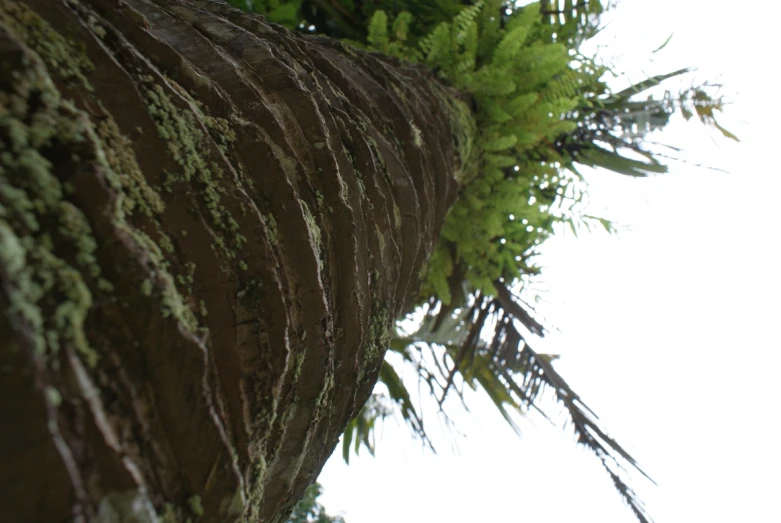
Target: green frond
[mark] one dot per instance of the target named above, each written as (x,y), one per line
(518,105)
(649,83)
(401,26)
(510,45)
(467,17)
(378,31)
(500,144)
(613,161)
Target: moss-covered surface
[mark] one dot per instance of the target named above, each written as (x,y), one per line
(182,131)
(378,340)
(48,249)
(312,228)
(53,279)
(61,55)
(203,261)
(141,197)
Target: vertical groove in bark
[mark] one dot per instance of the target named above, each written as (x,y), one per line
(207,227)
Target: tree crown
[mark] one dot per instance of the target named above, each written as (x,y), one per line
(542,109)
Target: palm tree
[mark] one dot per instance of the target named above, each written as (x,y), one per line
(209,224)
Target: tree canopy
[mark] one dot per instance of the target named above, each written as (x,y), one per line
(543,109)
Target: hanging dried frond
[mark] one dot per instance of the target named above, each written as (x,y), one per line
(483,345)
(539,373)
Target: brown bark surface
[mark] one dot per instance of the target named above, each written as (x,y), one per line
(207,227)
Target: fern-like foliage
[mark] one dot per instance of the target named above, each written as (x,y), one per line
(523,86)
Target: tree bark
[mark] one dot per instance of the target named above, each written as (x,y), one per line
(207,227)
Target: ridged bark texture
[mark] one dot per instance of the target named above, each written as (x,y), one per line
(207,226)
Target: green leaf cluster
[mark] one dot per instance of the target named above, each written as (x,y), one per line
(524,85)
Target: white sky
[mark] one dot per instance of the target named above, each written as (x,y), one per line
(669,330)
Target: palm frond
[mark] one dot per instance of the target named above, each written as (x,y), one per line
(361,429)
(587,429)
(483,348)
(646,84)
(400,396)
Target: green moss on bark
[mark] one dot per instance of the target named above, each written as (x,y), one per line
(379,338)
(141,197)
(61,55)
(40,260)
(314,230)
(49,248)
(187,144)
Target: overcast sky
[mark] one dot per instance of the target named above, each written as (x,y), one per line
(669,330)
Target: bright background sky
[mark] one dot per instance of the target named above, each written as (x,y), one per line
(669,330)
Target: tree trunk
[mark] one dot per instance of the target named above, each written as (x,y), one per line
(207,226)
